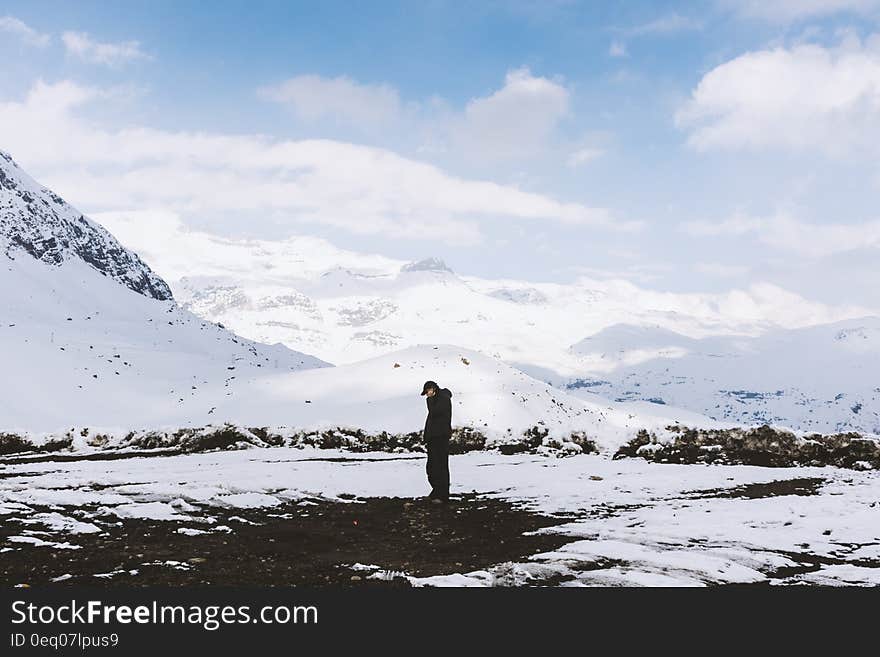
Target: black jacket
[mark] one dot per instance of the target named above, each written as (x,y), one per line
(439,422)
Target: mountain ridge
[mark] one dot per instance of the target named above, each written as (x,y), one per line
(36,221)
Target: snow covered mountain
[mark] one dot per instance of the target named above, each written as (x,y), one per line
(81,350)
(35,220)
(725,355)
(345,306)
(91,338)
(89,334)
(821,378)
(87,324)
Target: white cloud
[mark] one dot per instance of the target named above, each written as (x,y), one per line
(360,189)
(584,155)
(804,97)
(83,46)
(782,231)
(617,49)
(670,24)
(30,36)
(785,11)
(312,97)
(517,121)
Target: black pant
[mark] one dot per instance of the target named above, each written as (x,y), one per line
(438,466)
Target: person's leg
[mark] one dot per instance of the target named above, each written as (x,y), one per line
(443,471)
(430,466)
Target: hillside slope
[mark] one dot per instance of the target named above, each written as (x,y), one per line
(80,349)
(90,335)
(822,378)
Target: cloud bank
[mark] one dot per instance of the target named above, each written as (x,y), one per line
(28,35)
(360,189)
(798,98)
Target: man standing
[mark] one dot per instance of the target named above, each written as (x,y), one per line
(438,431)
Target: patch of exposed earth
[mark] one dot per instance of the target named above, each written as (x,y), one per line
(311,542)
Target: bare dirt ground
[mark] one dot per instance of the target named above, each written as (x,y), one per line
(294,544)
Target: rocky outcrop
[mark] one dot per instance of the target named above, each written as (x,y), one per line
(37,222)
(428,264)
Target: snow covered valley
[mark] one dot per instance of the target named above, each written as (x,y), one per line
(282,516)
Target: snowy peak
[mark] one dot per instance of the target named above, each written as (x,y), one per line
(36,221)
(428,264)
(520,295)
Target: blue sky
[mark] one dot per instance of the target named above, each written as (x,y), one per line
(687,146)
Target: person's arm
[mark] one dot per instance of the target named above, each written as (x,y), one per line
(431,420)
(444,421)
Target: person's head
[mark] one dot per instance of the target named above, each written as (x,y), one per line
(430,388)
